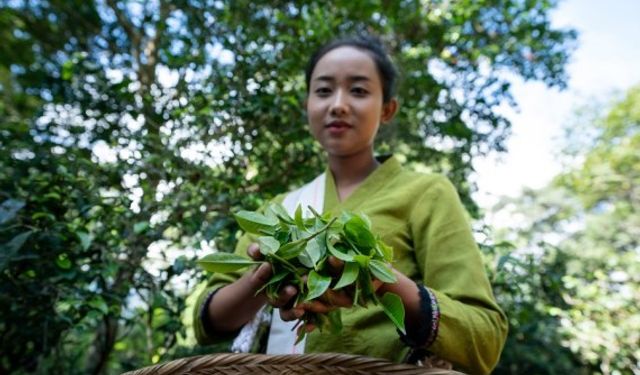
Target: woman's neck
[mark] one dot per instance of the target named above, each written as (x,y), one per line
(350,171)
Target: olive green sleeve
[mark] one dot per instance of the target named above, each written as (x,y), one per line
(217,281)
(472,328)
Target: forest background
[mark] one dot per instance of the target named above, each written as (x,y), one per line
(131,130)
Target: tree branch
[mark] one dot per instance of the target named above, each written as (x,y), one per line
(128,27)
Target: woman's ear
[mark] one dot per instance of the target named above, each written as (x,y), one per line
(389,110)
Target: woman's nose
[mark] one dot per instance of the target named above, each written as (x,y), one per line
(339,105)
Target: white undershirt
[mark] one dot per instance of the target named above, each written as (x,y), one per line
(282,336)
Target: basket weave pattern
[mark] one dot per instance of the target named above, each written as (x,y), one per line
(261,364)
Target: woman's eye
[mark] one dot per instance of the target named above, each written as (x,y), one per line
(323,91)
(359,91)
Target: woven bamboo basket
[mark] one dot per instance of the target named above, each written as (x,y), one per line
(293,364)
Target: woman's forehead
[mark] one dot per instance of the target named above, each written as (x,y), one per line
(343,62)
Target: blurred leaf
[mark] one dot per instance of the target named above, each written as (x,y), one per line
(140,227)
(8,209)
(85,239)
(11,248)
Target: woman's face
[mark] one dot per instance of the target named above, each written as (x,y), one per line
(344,106)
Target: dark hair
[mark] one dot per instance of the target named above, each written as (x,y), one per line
(369,44)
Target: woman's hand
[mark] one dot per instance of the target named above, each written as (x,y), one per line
(329,301)
(261,275)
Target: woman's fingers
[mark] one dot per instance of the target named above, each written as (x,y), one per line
(306,327)
(335,265)
(329,301)
(286,295)
(376,284)
(316,306)
(260,276)
(337,298)
(254,252)
(291,314)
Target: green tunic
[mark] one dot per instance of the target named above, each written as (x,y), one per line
(421,217)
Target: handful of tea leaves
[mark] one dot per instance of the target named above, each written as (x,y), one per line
(296,247)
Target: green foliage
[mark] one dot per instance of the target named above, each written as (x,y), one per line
(130,131)
(224,262)
(578,257)
(299,247)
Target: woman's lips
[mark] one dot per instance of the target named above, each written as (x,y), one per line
(337,127)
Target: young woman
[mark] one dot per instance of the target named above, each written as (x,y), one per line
(450,310)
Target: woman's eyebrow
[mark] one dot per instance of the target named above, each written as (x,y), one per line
(359,78)
(353,78)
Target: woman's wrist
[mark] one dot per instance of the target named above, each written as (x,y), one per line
(425,329)
(422,313)
(401,287)
(233,305)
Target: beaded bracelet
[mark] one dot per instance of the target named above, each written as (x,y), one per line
(427,329)
(435,317)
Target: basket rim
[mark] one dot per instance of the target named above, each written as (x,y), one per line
(358,364)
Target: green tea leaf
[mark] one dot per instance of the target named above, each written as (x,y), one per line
(356,295)
(382,271)
(281,213)
(292,249)
(256,223)
(357,231)
(268,245)
(275,279)
(317,284)
(365,220)
(366,288)
(386,252)
(297,234)
(282,236)
(313,252)
(301,335)
(318,224)
(363,260)
(393,307)
(344,256)
(298,246)
(270,215)
(298,219)
(349,275)
(306,260)
(345,216)
(314,212)
(224,262)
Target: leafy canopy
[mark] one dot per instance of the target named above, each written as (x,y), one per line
(130,130)
(572,284)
